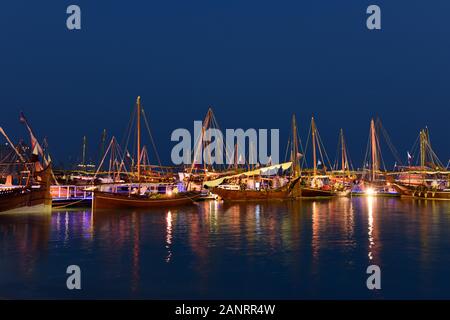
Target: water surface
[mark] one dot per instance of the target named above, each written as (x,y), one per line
(273,250)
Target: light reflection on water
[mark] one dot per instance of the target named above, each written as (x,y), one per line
(298,249)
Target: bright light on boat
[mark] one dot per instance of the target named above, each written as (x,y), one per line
(370,191)
(169,193)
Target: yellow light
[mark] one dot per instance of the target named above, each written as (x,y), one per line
(370,191)
(169,193)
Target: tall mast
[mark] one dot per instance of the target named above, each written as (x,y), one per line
(313,134)
(294,149)
(102,144)
(423,141)
(374,149)
(138,120)
(206,125)
(83,153)
(12,145)
(198,152)
(236,156)
(343,151)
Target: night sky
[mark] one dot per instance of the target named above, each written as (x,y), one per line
(254,62)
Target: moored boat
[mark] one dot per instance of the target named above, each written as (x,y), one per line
(29,199)
(31,192)
(428,180)
(110,200)
(138,193)
(375,180)
(268,183)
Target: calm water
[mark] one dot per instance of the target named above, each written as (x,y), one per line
(303,249)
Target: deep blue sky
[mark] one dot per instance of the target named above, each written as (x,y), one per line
(255,62)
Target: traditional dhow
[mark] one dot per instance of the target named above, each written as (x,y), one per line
(110,200)
(26,185)
(32,198)
(268,183)
(428,179)
(139,193)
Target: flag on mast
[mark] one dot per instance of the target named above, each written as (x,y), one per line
(409,158)
(35,146)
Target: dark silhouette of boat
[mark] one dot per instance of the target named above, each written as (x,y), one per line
(111,200)
(27,199)
(31,193)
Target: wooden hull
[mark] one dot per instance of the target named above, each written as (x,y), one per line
(316,193)
(25,200)
(251,195)
(108,200)
(422,193)
(377,195)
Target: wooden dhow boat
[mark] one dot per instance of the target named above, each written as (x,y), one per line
(268,183)
(375,179)
(273,182)
(138,193)
(31,194)
(31,198)
(313,184)
(430,179)
(110,200)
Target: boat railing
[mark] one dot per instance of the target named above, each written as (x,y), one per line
(63,192)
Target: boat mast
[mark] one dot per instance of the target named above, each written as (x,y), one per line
(294,150)
(138,120)
(343,150)
(236,157)
(374,149)
(313,133)
(423,139)
(83,153)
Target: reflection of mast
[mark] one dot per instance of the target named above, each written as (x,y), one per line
(136,250)
(370,226)
(138,120)
(373,140)
(169,236)
(313,135)
(316,229)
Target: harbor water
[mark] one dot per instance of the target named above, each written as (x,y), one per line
(214,250)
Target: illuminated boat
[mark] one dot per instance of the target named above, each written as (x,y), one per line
(139,193)
(268,183)
(31,193)
(110,200)
(375,179)
(318,183)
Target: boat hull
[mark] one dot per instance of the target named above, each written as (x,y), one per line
(108,200)
(317,193)
(25,200)
(422,193)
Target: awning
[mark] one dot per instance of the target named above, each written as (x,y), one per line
(271,170)
(213,183)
